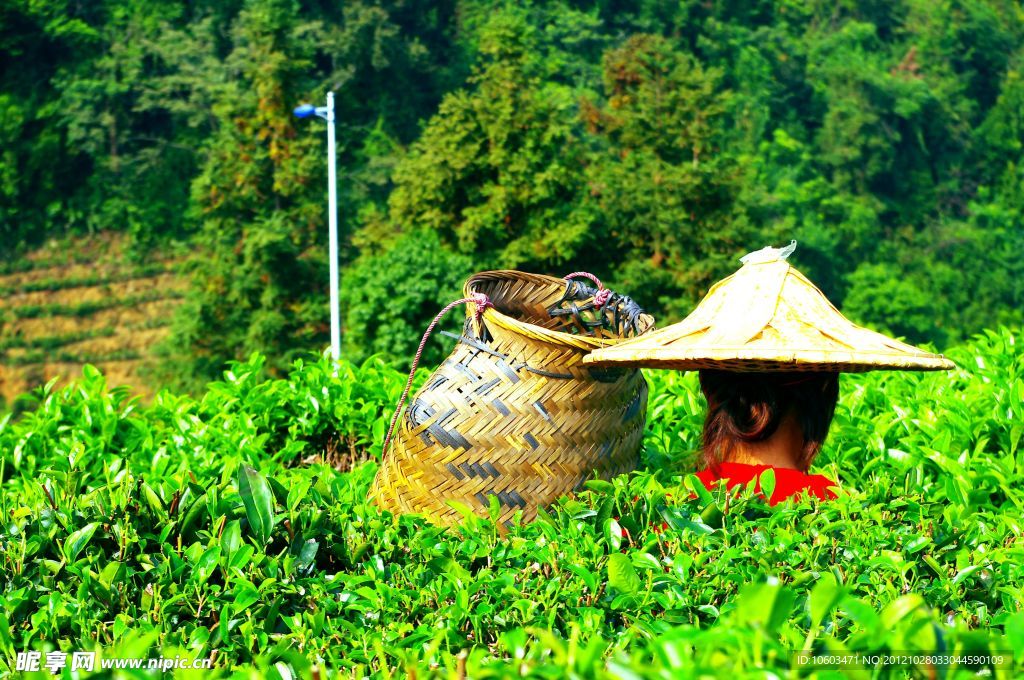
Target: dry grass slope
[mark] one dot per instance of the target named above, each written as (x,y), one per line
(83,301)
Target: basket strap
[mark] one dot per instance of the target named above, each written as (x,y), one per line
(601,298)
(482,302)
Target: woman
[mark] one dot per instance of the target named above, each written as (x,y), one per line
(758,421)
(769,347)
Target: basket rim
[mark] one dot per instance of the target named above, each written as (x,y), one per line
(502,320)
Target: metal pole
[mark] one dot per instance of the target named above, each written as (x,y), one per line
(332,218)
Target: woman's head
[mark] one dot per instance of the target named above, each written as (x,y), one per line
(745,408)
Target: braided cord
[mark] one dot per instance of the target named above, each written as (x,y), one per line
(482,302)
(602,295)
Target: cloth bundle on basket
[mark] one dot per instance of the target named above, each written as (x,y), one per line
(513,412)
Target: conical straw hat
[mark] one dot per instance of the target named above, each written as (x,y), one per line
(767,317)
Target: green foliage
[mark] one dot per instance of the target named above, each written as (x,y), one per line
(186,526)
(260,273)
(251,280)
(657,191)
(89,143)
(112,110)
(497,170)
(708,132)
(390,298)
(651,143)
(52,284)
(44,310)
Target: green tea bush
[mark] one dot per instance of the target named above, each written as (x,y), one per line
(47,310)
(64,283)
(193,527)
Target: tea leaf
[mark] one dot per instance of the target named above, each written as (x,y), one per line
(622,575)
(76,542)
(258,501)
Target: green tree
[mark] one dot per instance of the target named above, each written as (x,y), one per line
(649,142)
(497,171)
(260,273)
(660,191)
(255,280)
(139,175)
(389,298)
(40,171)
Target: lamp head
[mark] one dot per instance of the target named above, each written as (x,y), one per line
(304,111)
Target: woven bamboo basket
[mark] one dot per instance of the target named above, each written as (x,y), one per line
(512,412)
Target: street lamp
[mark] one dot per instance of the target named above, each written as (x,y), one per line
(327,113)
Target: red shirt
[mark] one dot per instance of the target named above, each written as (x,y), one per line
(787,482)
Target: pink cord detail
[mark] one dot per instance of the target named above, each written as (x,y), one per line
(481,302)
(602,295)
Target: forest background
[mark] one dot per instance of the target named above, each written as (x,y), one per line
(649,142)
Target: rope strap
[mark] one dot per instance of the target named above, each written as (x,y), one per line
(482,302)
(602,295)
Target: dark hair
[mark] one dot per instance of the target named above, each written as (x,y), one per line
(748,407)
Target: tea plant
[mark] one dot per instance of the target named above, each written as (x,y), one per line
(88,308)
(195,527)
(63,283)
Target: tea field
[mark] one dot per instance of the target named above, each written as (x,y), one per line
(84,300)
(235,527)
